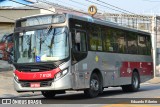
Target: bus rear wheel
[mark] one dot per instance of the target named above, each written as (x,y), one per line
(48,94)
(134,86)
(95,86)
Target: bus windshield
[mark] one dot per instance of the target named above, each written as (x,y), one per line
(41,45)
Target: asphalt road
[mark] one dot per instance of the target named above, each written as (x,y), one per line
(110,96)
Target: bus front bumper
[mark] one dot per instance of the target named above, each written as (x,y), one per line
(63,83)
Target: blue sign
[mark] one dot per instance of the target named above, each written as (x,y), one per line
(38,59)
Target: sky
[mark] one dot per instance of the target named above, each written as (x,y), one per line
(135,6)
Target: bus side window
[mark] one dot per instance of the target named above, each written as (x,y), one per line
(132,43)
(149,47)
(80,41)
(121,42)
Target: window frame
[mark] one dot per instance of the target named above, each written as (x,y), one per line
(86,41)
(86,26)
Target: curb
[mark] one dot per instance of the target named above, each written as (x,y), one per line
(17,96)
(155,80)
(27,95)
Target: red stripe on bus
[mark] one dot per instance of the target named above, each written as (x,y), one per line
(144,68)
(36,75)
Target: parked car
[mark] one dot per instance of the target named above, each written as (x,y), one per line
(5,43)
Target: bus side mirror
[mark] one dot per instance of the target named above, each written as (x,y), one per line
(10,56)
(10,53)
(73,50)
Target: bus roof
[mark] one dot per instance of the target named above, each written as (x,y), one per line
(25,17)
(106,23)
(88,18)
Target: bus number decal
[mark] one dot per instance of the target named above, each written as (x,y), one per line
(46,75)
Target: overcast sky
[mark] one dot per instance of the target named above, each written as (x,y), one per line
(135,6)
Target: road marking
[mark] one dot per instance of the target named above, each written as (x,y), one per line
(91,105)
(129,105)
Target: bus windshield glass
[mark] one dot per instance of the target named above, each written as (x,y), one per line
(41,45)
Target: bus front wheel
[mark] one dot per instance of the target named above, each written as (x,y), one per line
(94,89)
(48,94)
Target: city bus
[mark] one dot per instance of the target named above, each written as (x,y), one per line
(55,53)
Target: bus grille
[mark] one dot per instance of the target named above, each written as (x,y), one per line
(35,68)
(42,83)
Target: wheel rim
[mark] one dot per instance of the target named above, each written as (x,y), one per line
(94,84)
(135,81)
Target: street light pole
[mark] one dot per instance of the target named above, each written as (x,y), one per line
(153,36)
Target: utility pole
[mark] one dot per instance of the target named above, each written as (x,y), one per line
(153,34)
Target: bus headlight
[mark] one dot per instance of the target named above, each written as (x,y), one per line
(60,74)
(16,78)
(14,75)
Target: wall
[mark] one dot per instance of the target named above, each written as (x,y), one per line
(15,13)
(6,28)
(7,24)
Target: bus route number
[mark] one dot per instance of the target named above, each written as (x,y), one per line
(46,75)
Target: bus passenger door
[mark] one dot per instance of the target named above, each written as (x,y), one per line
(78,53)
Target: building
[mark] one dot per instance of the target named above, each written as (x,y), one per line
(8,15)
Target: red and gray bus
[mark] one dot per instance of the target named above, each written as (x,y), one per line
(54,53)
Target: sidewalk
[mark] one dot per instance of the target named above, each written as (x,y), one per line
(7,87)
(4,66)
(155,80)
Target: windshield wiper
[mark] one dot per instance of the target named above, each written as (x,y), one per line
(48,30)
(52,40)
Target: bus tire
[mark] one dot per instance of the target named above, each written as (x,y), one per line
(94,89)
(48,94)
(134,86)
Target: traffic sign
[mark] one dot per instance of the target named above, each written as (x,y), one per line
(92,10)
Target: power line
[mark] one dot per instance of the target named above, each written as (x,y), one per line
(7,17)
(31,6)
(106,6)
(115,6)
(78,2)
(50,3)
(82,4)
(68,4)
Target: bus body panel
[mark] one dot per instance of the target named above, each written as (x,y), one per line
(116,69)
(110,65)
(62,84)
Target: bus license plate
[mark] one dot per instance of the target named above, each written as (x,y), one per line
(35,85)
